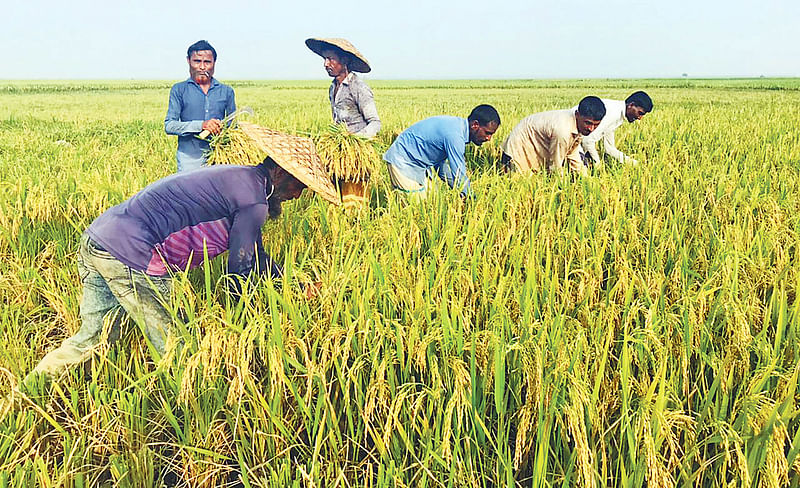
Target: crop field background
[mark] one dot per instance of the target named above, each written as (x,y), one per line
(637,327)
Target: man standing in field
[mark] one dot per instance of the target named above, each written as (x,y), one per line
(127,255)
(196,105)
(438,144)
(352,102)
(617,113)
(548,140)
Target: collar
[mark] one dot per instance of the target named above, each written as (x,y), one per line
(466,131)
(351,77)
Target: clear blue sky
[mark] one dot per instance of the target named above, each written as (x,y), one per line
(414,39)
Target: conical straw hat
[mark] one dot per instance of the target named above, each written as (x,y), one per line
(359,63)
(296,155)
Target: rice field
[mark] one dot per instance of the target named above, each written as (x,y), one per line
(636,328)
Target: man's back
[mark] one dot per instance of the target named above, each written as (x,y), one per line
(183,214)
(542,140)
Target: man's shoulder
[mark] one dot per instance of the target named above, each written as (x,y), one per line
(610,102)
(443,121)
(179,87)
(355,80)
(550,116)
(223,86)
(440,125)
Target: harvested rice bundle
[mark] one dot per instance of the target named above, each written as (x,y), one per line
(233,146)
(350,160)
(347,157)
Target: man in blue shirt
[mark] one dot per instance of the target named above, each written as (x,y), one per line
(438,144)
(197,104)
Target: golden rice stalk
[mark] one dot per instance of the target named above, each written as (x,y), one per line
(233,146)
(347,157)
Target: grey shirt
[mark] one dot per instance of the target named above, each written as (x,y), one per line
(354,106)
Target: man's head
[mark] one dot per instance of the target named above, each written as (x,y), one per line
(483,122)
(284,187)
(590,112)
(201,57)
(339,51)
(637,105)
(337,62)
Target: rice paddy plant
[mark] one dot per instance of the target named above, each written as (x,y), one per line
(347,157)
(639,327)
(232,146)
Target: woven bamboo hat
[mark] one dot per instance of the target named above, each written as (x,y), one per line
(359,62)
(296,155)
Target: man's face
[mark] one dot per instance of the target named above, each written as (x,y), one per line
(333,63)
(478,134)
(585,124)
(201,66)
(634,112)
(286,187)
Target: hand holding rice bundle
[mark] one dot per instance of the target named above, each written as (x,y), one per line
(351,161)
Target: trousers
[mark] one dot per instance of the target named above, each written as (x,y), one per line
(109,288)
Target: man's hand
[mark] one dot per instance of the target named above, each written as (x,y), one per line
(213,126)
(312,289)
(631,161)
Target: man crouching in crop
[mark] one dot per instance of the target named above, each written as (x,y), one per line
(551,140)
(126,255)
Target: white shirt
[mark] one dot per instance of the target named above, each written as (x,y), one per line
(615,117)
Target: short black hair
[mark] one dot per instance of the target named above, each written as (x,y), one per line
(640,99)
(201,45)
(592,108)
(484,114)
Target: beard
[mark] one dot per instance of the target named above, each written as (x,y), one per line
(274,207)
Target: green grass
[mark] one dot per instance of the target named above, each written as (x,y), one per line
(639,327)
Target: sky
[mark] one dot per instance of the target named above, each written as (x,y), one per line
(415,39)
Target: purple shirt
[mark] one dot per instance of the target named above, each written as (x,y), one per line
(168,225)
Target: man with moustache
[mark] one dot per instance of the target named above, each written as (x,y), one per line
(633,108)
(197,104)
(549,140)
(352,101)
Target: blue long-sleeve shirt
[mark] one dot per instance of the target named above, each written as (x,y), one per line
(438,143)
(188,108)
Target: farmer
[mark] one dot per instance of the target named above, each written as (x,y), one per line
(352,102)
(128,253)
(197,104)
(438,144)
(546,140)
(617,113)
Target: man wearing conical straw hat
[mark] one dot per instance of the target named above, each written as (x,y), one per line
(128,254)
(352,101)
